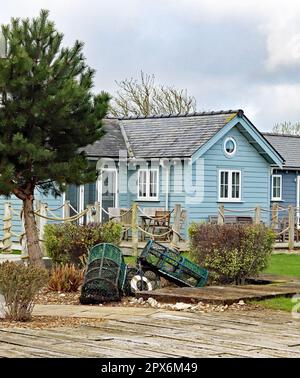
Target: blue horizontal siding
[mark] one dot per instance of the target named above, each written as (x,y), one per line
(255,172)
(17,206)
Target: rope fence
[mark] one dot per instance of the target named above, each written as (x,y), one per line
(284,221)
(43,214)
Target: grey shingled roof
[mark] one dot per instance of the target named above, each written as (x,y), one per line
(110,144)
(288,146)
(173,136)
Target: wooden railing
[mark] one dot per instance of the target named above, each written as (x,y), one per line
(92,214)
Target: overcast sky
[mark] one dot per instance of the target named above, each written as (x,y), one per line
(228,54)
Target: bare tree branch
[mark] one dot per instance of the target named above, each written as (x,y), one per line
(287,128)
(145,98)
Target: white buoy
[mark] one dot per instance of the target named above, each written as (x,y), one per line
(136,279)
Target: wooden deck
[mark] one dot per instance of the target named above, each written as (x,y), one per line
(158,333)
(221,294)
(126,246)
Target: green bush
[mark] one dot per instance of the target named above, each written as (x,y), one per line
(231,252)
(19,284)
(68,242)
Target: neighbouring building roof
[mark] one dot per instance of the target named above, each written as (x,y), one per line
(288,146)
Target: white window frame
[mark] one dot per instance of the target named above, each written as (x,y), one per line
(229,154)
(280,178)
(147,197)
(230,198)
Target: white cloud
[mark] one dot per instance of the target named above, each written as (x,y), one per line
(229,54)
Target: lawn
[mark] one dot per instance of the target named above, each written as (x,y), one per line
(285,265)
(130,260)
(279,303)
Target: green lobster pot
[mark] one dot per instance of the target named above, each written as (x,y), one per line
(105,275)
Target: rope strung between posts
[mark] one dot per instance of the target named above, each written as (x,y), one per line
(73,218)
(57,208)
(221,214)
(159,235)
(239,210)
(155,218)
(116,216)
(72,208)
(7,235)
(17,212)
(283,231)
(20,236)
(272,210)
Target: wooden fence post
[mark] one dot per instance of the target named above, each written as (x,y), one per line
(98,212)
(7,222)
(291,227)
(134,230)
(274,220)
(66,210)
(37,218)
(89,214)
(221,215)
(176,224)
(257,215)
(42,224)
(24,253)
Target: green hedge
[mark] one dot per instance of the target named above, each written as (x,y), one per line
(67,242)
(231,252)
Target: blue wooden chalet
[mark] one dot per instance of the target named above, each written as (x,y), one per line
(197,160)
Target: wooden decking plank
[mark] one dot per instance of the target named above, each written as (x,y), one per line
(163,333)
(193,345)
(221,294)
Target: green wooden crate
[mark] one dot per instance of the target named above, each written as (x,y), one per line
(169,262)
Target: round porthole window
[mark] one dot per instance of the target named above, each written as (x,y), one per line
(229,146)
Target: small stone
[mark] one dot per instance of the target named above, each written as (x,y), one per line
(140,300)
(62,295)
(241,303)
(152,302)
(182,306)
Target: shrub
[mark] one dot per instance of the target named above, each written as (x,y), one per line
(19,284)
(66,278)
(231,252)
(67,242)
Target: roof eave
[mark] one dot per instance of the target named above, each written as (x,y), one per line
(241,119)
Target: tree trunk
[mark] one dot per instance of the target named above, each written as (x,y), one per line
(32,235)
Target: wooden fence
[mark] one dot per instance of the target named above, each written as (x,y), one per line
(276,215)
(92,214)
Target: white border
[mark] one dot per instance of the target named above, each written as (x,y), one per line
(277,198)
(229,154)
(147,197)
(229,198)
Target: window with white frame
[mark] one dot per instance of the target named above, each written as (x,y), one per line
(229,185)
(148,184)
(276,187)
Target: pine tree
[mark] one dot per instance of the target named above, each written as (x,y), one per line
(47,114)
